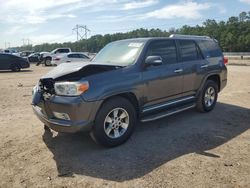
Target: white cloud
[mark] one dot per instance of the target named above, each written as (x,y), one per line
(139,4)
(245,1)
(186,9)
(33,12)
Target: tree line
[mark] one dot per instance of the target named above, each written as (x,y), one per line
(233,35)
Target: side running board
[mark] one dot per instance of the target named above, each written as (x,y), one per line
(167,113)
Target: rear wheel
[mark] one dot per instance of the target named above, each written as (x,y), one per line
(114,122)
(208,97)
(15,68)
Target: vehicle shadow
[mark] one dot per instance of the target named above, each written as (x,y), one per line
(151,145)
(10,71)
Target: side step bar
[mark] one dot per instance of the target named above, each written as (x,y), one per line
(167,113)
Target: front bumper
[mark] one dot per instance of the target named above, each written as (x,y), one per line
(81,113)
(62,125)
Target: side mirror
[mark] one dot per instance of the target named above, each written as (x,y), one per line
(153,61)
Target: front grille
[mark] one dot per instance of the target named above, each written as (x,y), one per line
(47,85)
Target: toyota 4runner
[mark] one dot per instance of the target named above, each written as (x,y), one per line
(135,79)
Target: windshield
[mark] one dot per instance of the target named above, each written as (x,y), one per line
(120,53)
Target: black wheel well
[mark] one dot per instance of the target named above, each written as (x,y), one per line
(48,57)
(130,97)
(15,65)
(216,79)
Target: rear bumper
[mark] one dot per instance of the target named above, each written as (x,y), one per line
(223,84)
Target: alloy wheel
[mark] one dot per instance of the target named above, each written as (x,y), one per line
(116,123)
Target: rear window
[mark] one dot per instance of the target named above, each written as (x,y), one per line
(189,50)
(210,48)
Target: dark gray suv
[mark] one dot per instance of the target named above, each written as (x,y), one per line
(136,79)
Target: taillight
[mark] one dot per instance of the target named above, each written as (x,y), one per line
(225,60)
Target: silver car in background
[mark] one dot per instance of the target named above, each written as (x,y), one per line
(70,57)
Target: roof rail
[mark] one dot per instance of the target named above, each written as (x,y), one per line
(189,36)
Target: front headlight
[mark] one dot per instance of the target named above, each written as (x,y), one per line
(71,88)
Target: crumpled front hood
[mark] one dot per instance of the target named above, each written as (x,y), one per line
(65,68)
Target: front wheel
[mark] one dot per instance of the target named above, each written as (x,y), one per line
(15,68)
(47,62)
(208,97)
(114,122)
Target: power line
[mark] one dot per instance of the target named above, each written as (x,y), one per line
(81,31)
(26,41)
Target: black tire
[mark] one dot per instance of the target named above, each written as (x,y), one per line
(15,68)
(98,133)
(47,62)
(201,105)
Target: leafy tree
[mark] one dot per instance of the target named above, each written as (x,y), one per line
(233,35)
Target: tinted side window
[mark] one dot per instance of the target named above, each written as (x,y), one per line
(210,48)
(73,56)
(189,50)
(166,49)
(83,56)
(63,51)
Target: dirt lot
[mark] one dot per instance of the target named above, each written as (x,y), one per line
(189,149)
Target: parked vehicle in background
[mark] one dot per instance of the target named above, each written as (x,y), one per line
(143,78)
(11,51)
(7,51)
(34,57)
(70,57)
(26,53)
(47,57)
(12,62)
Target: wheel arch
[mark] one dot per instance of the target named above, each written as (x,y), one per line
(130,96)
(15,64)
(214,77)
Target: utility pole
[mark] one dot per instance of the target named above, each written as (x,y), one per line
(81,31)
(7,45)
(23,42)
(26,41)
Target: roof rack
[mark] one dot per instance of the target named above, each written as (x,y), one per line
(189,36)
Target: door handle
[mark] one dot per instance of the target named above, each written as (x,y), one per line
(178,70)
(204,66)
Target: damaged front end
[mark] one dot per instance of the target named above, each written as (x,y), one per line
(70,73)
(57,99)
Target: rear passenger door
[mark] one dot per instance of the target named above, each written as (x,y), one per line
(164,82)
(192,60)
(72,58)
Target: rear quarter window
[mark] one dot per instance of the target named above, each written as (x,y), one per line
(189,50)
(210,48)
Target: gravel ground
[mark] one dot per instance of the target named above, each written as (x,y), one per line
(189,149)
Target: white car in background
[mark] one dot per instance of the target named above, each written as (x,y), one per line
(70,57)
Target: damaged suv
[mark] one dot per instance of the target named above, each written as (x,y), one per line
(135,79)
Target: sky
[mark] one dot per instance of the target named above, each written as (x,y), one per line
(40,21)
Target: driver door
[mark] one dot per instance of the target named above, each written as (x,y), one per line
(163,82)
